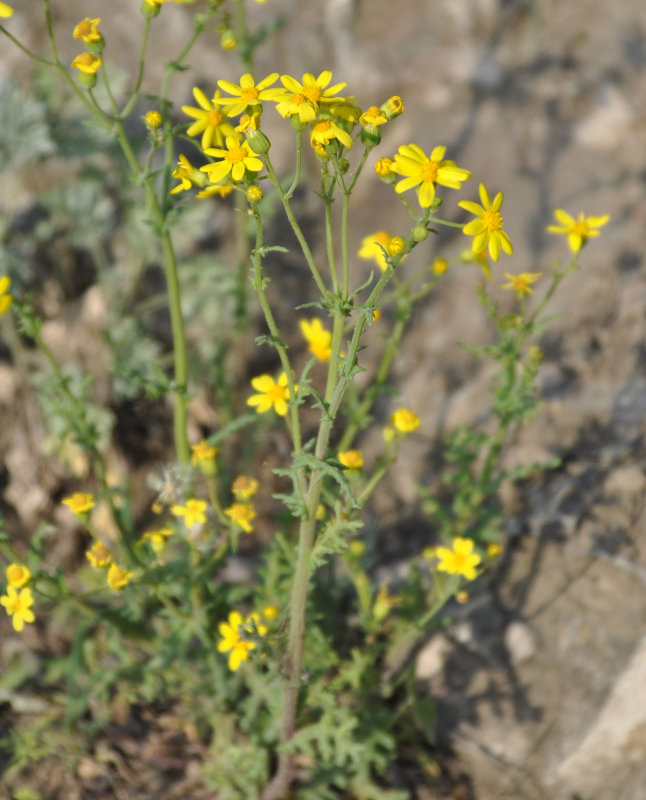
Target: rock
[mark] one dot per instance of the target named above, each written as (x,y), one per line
(432,658)
(616,735)
(519,641)
(625,481)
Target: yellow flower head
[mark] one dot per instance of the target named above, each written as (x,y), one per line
(393,107)
(210,121)
(425,171)
(440,266)
(187,175)
(237,158)
(486,229)
(373,247)
(494,550)
(18,606)
(153,119)
(304,99)
(244,487)
(204,457)
(242,514)
(88,30)
(460,560)
(318,338)
(18,575)
(270,612)
(234,641)
(157,539)
(351,459)
(6,299)
(404,420)
(118,578)
(5,10)
(98,555)
(87,63)
(248,93)
(193,512)
(255,194)
(521,284)
(384,166)
(271,394)
(80,504)
(578,231)
(326,131)
(374,117)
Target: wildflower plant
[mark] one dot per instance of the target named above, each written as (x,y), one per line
(276,662)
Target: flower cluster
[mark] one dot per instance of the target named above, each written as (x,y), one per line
(241,512)
(18,600)
(239,147)
(240,635)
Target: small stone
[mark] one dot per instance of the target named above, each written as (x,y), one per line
(432,658)
(519,641)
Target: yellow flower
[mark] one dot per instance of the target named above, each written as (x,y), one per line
(248,93)
(521,284)
(270,612)
(271,394)
(440,266)
(193,512)
(486,229)
(6,299)
(494,550)
(318,338)
(98,555)
(462,597)
(204,457)
(351,459)
(5,10)
(304,99)
(461,560)
(244,487)
(157,539)
(17,575)
(326,131)
(18,606)
(118,578)
(373,116)
(232,633)
(211,122)
(187,175)
(242,514)
(88,30)
(384,167)
(235,160)
(404,420)
(87,63)
(426,171)
(80,504)
(373,246)
(578,231)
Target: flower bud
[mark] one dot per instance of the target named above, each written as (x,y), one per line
(254,194)
(153,120)
(392,108)
(440,266)
(150,10)
(420,232)
(258,141)
(396,246)
(228,40)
